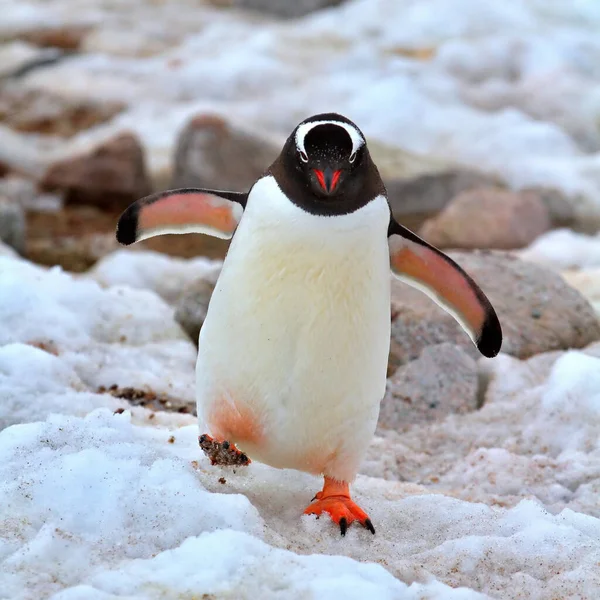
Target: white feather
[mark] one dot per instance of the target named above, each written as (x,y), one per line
(355,136)
(298,330)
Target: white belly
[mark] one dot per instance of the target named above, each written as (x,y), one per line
(293,352)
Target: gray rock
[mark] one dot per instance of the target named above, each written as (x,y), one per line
(12,224)
(279,8)
(442,381)
(215,154)
(190,310)
(538,310)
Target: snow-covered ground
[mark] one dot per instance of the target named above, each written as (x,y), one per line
(98,503)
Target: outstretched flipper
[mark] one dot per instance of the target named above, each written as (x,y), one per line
(187,210)
(421,265)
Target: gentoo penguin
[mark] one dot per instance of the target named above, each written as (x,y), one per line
(293,352)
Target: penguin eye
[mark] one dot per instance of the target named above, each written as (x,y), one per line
(352,157)
(303,156)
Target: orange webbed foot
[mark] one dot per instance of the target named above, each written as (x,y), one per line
(222,453)
(335,500)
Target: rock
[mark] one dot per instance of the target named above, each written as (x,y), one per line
(112,175)
(488,218)
(279,8)
(65,37)
(41,111)
(428,193)
(559,207)
(538,310)
(192,306)
(12,224)
(442,381)
(213,153)
(75,254)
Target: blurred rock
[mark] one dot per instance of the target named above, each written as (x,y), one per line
(538,310)
(429,193)
(213,153)
(279,8)
(75,254)
(442,381)
(488,218)
(12,224)
(65,37)
(559,207)
(110,176)
(40,111)
(190,310)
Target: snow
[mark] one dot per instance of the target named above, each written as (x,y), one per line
(117,335)
(166,276)
(101,503)
(563,249)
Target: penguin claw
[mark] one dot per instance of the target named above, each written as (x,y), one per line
(222,453)
(342,510)
(369,526)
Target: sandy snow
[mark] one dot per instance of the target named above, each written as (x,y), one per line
(98,504)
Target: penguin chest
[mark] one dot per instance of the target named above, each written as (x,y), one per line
(293,352)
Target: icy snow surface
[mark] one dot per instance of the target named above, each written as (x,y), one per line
(98,504)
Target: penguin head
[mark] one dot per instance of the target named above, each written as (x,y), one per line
(328,151)
(325,167)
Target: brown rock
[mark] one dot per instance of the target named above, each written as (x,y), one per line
(488,218)
(212,153)
(110,176)
(538,310)
(40,111)
(442,381)
(426,194)
(66,37)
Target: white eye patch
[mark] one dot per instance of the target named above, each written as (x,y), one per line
(355,136)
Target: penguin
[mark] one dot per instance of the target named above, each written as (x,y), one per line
(293,352)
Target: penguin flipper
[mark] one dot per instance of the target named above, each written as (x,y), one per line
(425,267)
(186,210)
